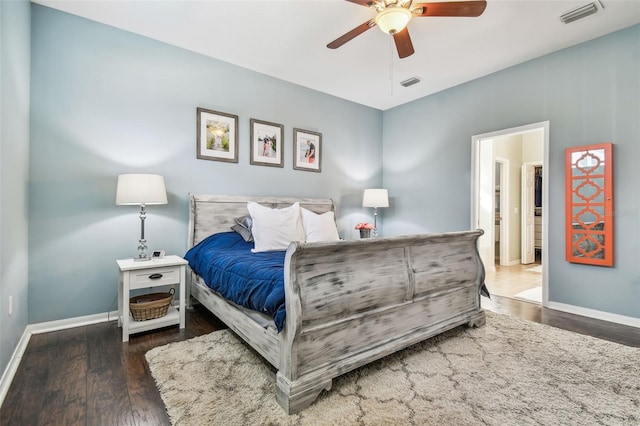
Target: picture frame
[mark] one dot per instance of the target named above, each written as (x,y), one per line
(217,138)
(157,254)
(307,150)
(267,143)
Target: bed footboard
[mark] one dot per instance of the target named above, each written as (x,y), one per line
(352,302)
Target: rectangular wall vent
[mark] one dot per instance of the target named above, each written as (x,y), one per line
(580,12)
(410,81)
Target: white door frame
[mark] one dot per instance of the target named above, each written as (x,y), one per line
(485,203)
(475,189)
(504,210)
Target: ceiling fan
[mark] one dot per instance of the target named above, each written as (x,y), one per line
(392,17)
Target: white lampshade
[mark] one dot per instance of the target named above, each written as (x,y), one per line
(137,189)
(393,19)
(375,198)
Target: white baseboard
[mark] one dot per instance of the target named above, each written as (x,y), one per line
(46,327)
(14,362)
(593,313)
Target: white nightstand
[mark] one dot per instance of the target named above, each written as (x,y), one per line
(148,274)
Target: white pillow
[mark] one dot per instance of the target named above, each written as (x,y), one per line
(319,227)
(275,229)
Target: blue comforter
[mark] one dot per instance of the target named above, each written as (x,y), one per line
(252,280)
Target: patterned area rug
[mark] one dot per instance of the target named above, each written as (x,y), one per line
(508,372)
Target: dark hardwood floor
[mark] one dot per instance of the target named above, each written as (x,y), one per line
(613,332)
(87,376)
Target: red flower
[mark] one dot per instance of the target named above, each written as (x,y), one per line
(364,225)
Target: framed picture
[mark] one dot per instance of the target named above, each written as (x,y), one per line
(267,148)
(217,136)
(307,150)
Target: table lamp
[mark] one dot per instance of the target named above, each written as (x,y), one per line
(375,198)
(142,190)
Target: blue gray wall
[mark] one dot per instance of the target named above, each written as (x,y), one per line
(15,28)
(590,93)
(105,102)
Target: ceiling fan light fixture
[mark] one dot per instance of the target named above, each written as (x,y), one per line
(392,20)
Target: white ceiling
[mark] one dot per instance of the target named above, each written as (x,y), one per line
(287,39)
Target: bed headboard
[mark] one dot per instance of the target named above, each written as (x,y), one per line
(209,214)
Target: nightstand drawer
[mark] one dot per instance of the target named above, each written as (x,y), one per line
(154,277)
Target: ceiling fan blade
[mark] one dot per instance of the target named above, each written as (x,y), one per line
(351,34)
(403,43)
(453,8)
(365,3)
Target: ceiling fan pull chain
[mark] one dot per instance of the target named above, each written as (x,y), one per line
(391,64)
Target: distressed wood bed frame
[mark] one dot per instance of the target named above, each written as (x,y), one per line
(349,302)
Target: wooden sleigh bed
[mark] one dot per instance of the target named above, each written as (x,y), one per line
(348,303)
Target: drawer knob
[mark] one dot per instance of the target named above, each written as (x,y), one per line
(155,276)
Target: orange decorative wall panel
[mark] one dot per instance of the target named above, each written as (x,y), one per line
(589,204)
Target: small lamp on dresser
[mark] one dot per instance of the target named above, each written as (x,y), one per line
(142,190)
(375,198)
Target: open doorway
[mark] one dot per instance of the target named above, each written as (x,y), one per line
(508,203)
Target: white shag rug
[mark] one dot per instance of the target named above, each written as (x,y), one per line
(532,295)
(535,269)
(508,372)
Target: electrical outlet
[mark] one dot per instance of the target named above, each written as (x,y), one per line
(10,305)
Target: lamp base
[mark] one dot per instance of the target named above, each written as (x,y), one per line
(142,246)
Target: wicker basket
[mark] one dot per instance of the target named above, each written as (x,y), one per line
(150,306)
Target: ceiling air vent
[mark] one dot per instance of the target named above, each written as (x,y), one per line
(410,81)
(581,12)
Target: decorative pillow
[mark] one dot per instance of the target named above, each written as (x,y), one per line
(275,229)
(243,227)
(319,227)
(244,232)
